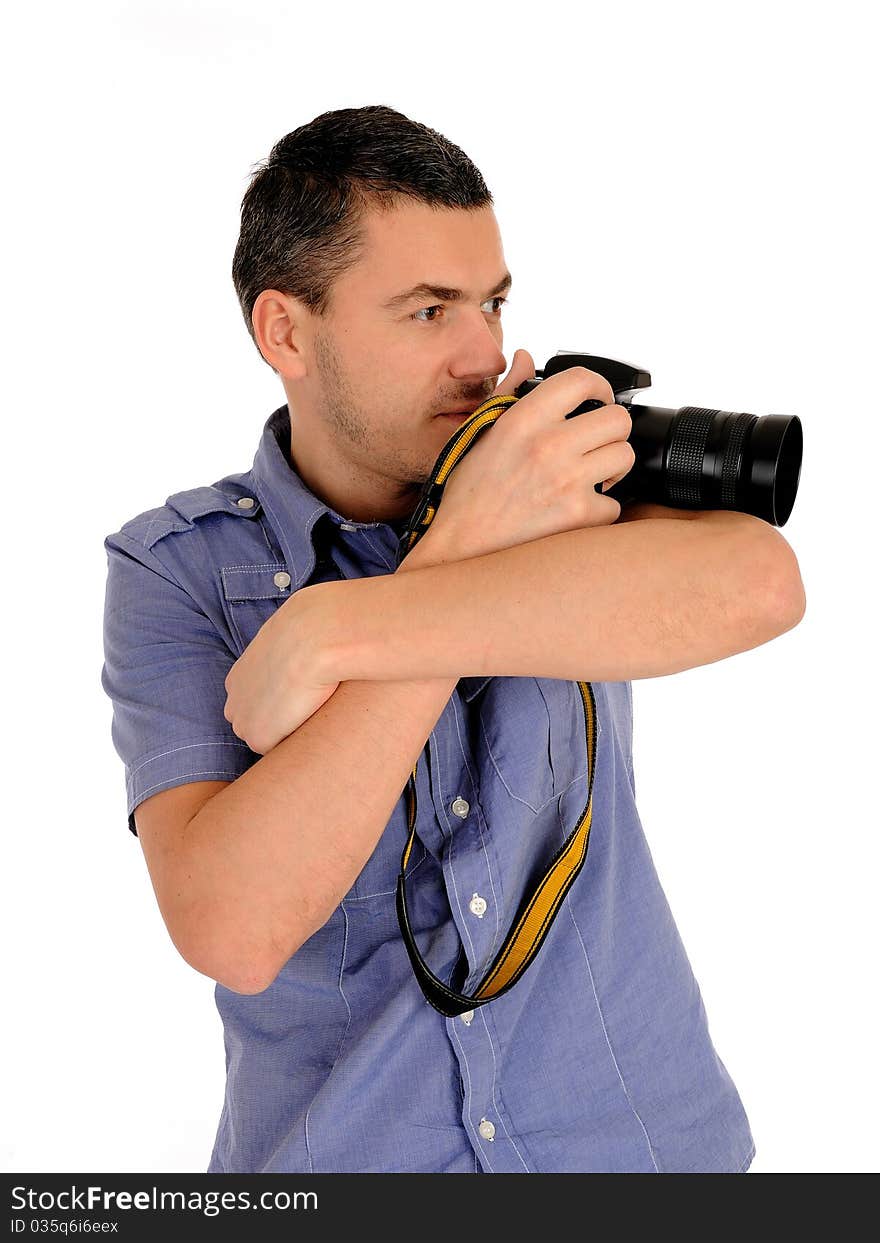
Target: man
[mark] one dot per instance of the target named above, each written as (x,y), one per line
(276,678)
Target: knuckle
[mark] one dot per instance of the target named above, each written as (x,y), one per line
(586,377)
(594,380)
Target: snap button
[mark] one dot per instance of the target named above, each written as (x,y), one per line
(478,905)
(486,1129)
(466,1017)
(282,579)
(461,807)
(245,502)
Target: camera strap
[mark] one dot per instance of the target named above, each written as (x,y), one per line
(537,912)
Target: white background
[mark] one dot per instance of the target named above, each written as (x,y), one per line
(690,187)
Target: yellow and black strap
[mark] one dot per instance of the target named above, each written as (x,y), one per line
(536,913)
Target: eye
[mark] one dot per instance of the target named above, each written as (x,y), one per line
(425,309)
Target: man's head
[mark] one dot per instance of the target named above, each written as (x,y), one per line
(348,213)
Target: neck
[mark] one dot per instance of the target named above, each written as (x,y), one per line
(355,494)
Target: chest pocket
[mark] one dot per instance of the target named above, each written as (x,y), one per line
(527,735)
(251,594)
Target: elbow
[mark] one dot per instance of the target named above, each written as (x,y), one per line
(780,584)
(248,981)
(226,947)
(795,606)
(243,971)
(252,978)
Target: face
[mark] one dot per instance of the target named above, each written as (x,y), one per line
(368,384)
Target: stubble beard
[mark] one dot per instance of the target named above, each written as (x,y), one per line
(340,412)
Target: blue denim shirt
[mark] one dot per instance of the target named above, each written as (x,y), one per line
(598,1060)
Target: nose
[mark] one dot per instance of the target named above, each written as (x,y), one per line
(477,352)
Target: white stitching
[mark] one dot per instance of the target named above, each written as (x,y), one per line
(468,1093)
(608,1041)
(477,813)
(384,893)
(150,526)
(497,1107)
(220,742)
(278,527)
(205,772)
(500,774)
(271,595)
(344,1034)
(436,765)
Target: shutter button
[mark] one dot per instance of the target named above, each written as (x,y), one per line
(282,579)
(486,1128)
(460,807)
(245,502)
(478,905)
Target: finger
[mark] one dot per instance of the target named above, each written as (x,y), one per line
(522,367)
(559,394)
(608,425)
(608,465)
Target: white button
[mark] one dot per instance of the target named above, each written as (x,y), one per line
(282,579)
(478,905)
(245,502)
(486,1129)
(466,1017)
(461,807)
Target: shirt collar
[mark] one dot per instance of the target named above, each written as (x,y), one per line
(293,509)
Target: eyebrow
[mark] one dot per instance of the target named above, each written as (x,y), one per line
(441,293)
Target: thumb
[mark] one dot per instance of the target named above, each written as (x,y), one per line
(522,367)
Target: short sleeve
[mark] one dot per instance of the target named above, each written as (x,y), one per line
(165,665)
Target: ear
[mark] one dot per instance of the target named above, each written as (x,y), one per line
(277,320)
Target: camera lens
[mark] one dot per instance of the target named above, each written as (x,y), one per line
(695,458)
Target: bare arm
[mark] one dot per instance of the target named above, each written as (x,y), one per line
(636,511)
(609,603)
(271,857)
(263,864)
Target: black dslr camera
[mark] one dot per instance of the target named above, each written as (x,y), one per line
(693,457)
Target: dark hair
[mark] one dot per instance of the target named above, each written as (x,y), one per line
(301,213)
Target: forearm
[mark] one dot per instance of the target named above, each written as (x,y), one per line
(611,603)
(272,855)
(637,511)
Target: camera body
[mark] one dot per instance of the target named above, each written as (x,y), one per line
(695,457)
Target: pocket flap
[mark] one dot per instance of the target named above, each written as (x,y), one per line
(255,582)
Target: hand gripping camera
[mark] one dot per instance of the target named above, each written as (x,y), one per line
(693,457)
